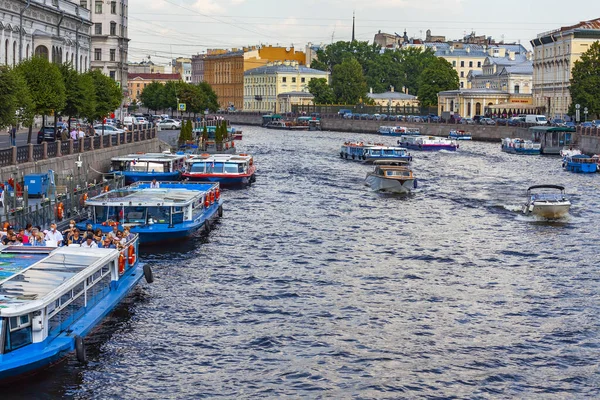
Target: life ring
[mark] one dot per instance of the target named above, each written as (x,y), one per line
(243,154)
(85,197)
(131,254)
(121,264)
(206,201)
(60,210)
(107,188)
(212,197)
(217,193)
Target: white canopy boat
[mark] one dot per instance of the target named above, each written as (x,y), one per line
(546,201)
(390,178)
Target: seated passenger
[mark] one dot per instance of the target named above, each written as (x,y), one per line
(90,243)
(74,237)
(98,235)
(127,235)
(115,231)
(38,239)
(108,243)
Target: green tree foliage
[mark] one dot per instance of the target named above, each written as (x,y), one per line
(171,92)
(88,108)
(8,99)
(80,93)
(437,77)
(108,95)
(46,86)
(25,106)
(585,81)
(212,101)
(348,82)
(153,96)
(321,90)
(339,52)
(413,61)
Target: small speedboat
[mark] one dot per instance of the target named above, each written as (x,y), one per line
(546,201)
(392,179)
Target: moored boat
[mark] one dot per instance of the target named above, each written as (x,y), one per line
(390,178)
(174,211)
(227,169)
(520,146)
(391,130)
(457,134)
(546,201)
(287,125)
(386,154)
(313,123)
(581,163)
(148,166)
(427,143)
(56,297)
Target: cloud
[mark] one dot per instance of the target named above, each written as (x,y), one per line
(208,6)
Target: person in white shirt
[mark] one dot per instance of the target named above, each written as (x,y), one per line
(81,133)
(54,235)
(89,243)
(154,184)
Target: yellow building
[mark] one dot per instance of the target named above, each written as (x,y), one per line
(264,85)
(224,70)
(393,99)
(137,82)
(554,54)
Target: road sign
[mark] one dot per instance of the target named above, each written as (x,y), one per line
(577,106)
(181,106)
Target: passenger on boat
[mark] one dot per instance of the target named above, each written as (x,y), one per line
(9,240)
(90,243)
(154,184)
(70,229)
(108,243)
(24,238)
(127,235)
(54,235)
(28,229)
(113,235)
(74,237)
(98,235)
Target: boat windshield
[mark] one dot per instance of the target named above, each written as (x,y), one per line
(232,168)
(148,166)
(547,197)
(198,167)
(397,173)
(214,168)
(388,152)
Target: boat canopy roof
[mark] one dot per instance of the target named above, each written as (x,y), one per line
(234,158)
(45,280)
(153,157)
(551,129)
(557,187)
(140,194)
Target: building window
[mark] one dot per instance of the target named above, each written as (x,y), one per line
(98,7)
(302,80)
(83,3)
(98,29)
(113,7)
(112,75)
(454,64)
(462,63)
(98,54)
(462,74)
(284,79)
(478,64)
(113,54)
(113,28)
(470,64)
(462,85)
(517,89)
(294,79)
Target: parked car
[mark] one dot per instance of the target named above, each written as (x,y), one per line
(344,111)
(557,122)
(467,121)
(392,118)
(348,116)
(46,134)
(108,130)
(487,121)
(570,124)
(587,125)
(169,124)
(477,118)
(356,116)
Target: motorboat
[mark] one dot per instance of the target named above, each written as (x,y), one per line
(174,211)
(148,166)
(427,143)
(520,146)
(227,169)
(546,201)
(52,298)
(391,178)
(581,163)
(457,134)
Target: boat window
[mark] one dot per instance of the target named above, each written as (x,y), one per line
(177,215)
(134,214)
(158,167)
(18,333)
(101,214)
(198,167)
(119,165)
(215,167)
(160,215)
(388,152)
(138,166)
(232,168)
(375,152)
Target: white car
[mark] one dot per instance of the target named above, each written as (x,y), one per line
(108,130)
(169,124)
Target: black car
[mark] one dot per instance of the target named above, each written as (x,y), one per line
(46,134)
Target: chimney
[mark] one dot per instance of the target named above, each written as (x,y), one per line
(468,49)
(371,90)
(392,89)
(511,55)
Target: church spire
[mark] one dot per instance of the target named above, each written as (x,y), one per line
(353,37)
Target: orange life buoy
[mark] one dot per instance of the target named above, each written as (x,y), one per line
(206,202)
(243,154)
(60,209)
(85,197)
(217,193)
(107,188)
(131,254)
(212,197)
(232,144)
(121,264)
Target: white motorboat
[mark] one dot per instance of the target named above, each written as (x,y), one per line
(546,201)
(390,178)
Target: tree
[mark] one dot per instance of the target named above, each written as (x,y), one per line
(437,77)
(45,85)
(585,81)
(80,93)
(413,61)
(339,52)
(88,108)
(8,99)
(321,90)
(211,99)
(171,92)
(152,96)
(25,106)
(193,97)
(108,95)
(348,82)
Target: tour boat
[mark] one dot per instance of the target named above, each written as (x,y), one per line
(457,134)
(227,169)
(546,201)
(386,154)
(596,158)
(313,123)
(580,163)
(398,131)
(52,298)
(393,179)
(227,145)
(174,211)
(520,146)
(355,150)
(148,166)
(287,125)
(427,143)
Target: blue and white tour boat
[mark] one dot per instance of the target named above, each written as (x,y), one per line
(148,166)
(581,163)
(458,134)
(174,211)
(386,154)
(427,143)
(520,146)
(52,298)
(227,169)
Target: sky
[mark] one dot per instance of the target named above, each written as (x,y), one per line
(165,29)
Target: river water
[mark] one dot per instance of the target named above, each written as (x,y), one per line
(312,286)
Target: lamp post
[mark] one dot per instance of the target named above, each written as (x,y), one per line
(585,113)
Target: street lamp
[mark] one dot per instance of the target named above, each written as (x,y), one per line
(585,113)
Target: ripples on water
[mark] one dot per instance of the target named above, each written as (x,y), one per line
(313,286)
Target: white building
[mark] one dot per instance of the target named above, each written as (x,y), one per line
(109,38)
(56,29)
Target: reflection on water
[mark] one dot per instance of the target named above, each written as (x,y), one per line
(312,285)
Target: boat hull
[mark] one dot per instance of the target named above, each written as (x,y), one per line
(32,358)
(583,168)
(131,177)
(382,184)
(429,147)
(223,180)
(384,160)
(548,210)
(465,137)
(512,150)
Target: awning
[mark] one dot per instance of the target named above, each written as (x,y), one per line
(512,106)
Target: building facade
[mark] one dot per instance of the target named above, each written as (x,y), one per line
(224,70)
(137,82)
(145,67)
(58,30)
(109,38)
(554,54)
(198,68)
(393,99)
(263,85)
(183,67)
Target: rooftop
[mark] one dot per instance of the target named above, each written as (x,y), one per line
(154,77)
(282,68)
(391,96)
